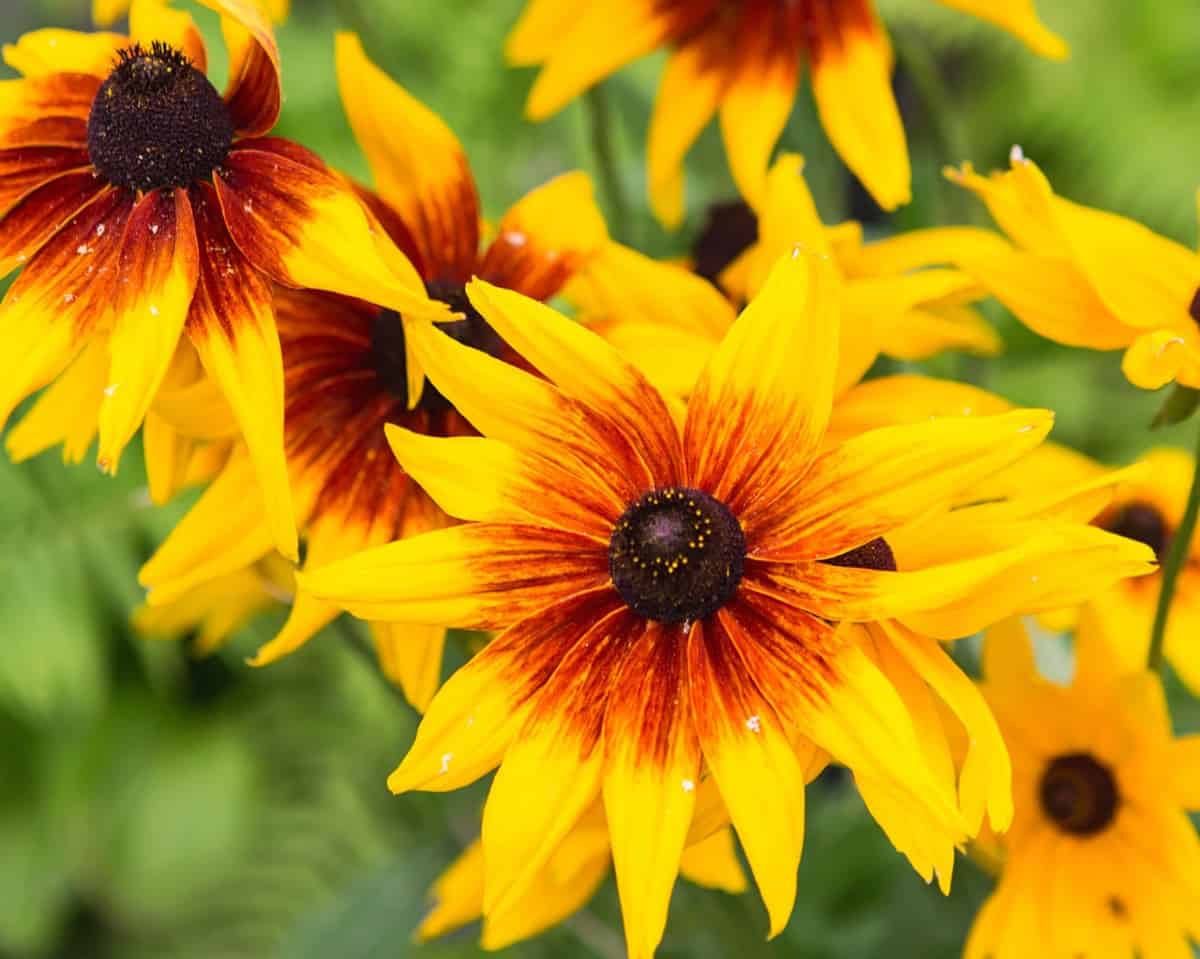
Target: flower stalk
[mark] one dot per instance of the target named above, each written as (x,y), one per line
(1181,544)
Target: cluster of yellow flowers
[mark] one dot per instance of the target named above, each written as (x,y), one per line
(714,558)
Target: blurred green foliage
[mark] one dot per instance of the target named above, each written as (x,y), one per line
(156,805)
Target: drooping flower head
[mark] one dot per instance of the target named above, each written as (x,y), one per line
(349,369)
(899,297)
(150,212)
(1084,277)
(743,60)
(1101,859)
(670,583)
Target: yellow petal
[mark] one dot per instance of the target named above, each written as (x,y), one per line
(411,657)
(417,163)
(749,392)
(223,532)
(921,333)
(232,326)
(749,753)
(1020,19)
(155,20)
(107,12)
(65,411)
(877,481)
(687,99)
(1155,359)
(543,23)
(917,249)
(1184,763)
(159,266)
(42,52)
(651,766)
(985,780)
(671,359)
(713,862)
(599,40)
(166,454)
(457,895)
(851,79)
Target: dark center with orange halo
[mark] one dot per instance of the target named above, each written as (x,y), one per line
(1079,794)
(389,350)
(157,122)
(676,555)
(729,230)
(1142,522)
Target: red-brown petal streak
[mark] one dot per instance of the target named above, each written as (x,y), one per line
(517,261)
(445,226)
(24,169)
(824,24)
(648,703)
(395,227)
(160,226)
(576,695)
(73,276)
(45,211)
(265,202)
(526,567)
(253,95)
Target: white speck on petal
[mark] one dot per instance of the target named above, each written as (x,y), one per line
(83,249)
(446,757)
(1016,154)
(154,228)
(111,389)
(68,297)
(516,239)
(100,229)
(153,310)
(688,785)
(754,724)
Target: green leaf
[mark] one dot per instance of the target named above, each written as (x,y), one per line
(1179,406)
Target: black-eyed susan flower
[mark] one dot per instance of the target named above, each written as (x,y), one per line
(1084,277)
(670,582)
(743,59)
(572,875)
(898,296)
(150,212)
(107,12)
(1101,859)
(349,370)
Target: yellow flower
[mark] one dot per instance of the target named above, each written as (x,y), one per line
(107,12)
(1084,277)
(743,59)
(348,369)
(896,298)
(1101,859)
(151,213)
(572,874)
(670,582)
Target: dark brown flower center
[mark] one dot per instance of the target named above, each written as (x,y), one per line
(730,229)
(389,352)
(676,555)
(1144,523)
(1079,794)
(876,554)
(1194,307)
(157,122)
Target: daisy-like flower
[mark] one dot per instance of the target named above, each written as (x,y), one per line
(670,583)
(1101,859)
(570,878)
(107,12)
(898,297)
(743,60)
(150,212)
(348,370)
(1084,277)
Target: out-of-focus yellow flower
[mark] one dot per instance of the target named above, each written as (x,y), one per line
(107,12)
(742,59)
(1101,860)
(897,297)
(1084,277)
(571,876)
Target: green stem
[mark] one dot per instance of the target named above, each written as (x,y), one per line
(601,129)
(1181,544)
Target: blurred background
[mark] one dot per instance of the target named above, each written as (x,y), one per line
(157,804)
